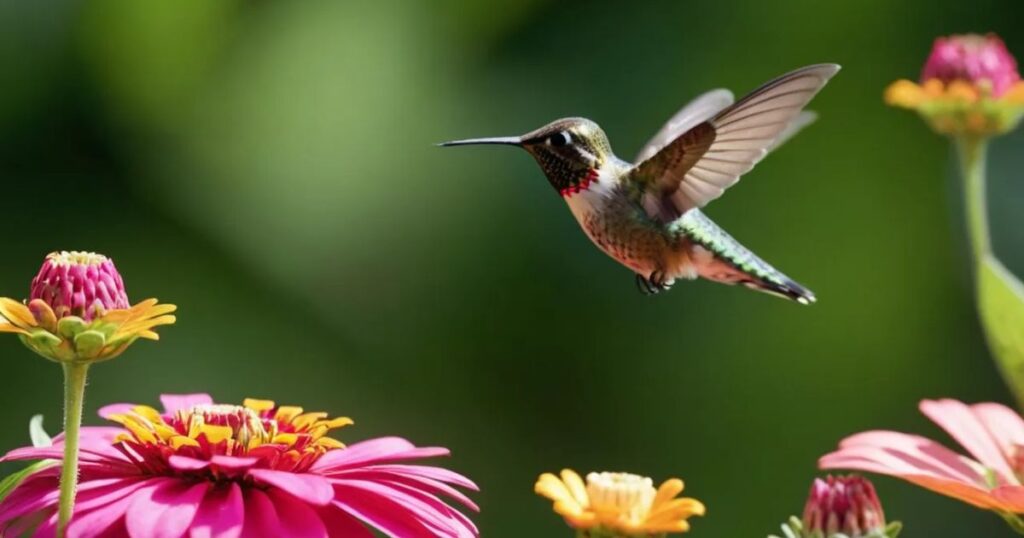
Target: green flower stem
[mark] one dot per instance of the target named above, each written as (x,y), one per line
(972,163)
(1000,294)
(74,396)
(1014,521)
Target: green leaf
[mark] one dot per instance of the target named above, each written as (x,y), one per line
(35,430)
(1001,306)
(8,484)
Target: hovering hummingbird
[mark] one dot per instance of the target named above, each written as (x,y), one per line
(647,215)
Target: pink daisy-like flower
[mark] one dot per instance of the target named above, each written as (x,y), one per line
(202,469)
(991,433)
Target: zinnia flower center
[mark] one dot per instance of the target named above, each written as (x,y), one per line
(233,421)
(76,257)
(257,434)
(627,494)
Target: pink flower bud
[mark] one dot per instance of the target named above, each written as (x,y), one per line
(972,58)
(80,284)
(843,504)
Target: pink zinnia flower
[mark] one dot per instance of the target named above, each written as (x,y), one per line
(80,284)
(205,469)
(972,58)
(969,87)
(78,311)
(991,433)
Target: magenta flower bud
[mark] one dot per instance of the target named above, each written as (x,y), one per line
(972,58)
(82,284)
(843,504)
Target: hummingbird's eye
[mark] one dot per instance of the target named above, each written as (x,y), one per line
(560,138)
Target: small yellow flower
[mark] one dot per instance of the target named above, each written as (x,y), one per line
(619,504)
(78,311)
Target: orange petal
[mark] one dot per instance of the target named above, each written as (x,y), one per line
(904,93)
(43,314)
(667,491)
(16,313)
(576,487)
(258,405)
(6,327)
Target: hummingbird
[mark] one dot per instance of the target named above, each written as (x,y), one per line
(647,214)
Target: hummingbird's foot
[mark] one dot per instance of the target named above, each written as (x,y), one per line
(654,285)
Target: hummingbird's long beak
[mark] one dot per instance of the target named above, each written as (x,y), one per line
(503,140)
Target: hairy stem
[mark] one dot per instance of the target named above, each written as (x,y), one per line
(74,395)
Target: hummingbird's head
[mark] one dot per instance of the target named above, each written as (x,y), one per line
(569,150)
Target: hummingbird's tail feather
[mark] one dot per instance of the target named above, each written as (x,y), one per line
(719,257)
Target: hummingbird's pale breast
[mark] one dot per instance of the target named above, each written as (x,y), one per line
(613,218)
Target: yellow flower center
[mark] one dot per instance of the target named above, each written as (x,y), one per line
(280,437)
(76,257)
(628,495)
(236,422)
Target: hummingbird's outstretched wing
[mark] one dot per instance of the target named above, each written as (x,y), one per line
(700,109)
(699,164)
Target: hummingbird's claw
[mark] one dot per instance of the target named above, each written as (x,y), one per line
(653,285)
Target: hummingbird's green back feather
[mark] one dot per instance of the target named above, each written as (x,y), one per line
(733,263)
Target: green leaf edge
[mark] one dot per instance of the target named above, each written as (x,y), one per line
(10,482)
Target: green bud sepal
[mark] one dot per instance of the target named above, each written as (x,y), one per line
(794,528)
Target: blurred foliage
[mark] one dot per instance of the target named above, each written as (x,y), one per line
(269,167)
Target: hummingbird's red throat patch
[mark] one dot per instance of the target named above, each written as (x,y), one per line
(583,185)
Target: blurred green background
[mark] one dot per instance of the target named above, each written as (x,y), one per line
(270,168)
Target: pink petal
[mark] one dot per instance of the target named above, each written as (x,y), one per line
(961,424)
(40,491)
(382,449)
(222,514)
(392,511)
(116,409)
(423,483)
(176,402)
(96,439)
(912,454)
(32,495)
(453,521)
(234,463)
(96,435)
(310,488)
(185,463)
(86,523)
(341,525)
(56,452)
(26,525)
(1011,496)
(391,522)
(300,520)
(426,471)
(957,489)
(1003,424)
(165,511)
(261,519)
(48,529)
